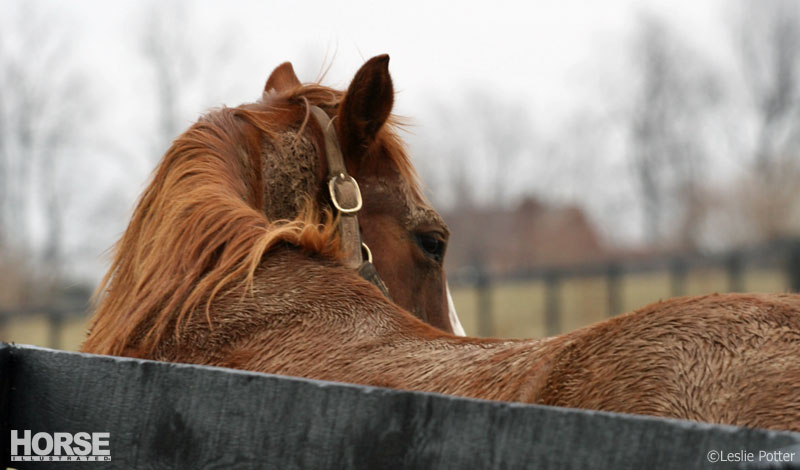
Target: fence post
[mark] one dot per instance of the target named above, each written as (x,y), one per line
(56,323)
(677,277)
(734,267)
(484,290)
(552,304)
(793,266)
(613,274)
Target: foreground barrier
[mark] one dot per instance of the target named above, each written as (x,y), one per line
(145,414)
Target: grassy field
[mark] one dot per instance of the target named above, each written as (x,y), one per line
(518,308)
(37,330)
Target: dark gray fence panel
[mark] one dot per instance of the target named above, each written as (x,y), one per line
(164,415)
(5,391)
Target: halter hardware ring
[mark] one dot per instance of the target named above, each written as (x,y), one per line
(367,251)
(341,178)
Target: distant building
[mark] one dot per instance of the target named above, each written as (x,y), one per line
(533,234)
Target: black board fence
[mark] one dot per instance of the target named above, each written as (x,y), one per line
(164,415)
(782,256)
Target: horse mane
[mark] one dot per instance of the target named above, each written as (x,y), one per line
(201,229)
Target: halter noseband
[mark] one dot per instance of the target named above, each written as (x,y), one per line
(346,200)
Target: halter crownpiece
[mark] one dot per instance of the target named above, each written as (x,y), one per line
(346,200)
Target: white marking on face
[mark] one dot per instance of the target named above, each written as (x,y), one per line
(458,330)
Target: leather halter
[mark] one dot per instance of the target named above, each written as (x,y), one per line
(346,200)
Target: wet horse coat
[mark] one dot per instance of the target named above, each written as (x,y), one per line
(232,258)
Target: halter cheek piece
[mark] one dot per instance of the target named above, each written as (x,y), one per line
(346,200)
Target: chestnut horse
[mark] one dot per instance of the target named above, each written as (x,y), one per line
(235,257)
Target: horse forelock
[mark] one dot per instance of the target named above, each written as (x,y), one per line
(213,208)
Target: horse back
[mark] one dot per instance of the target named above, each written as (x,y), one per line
(732,358)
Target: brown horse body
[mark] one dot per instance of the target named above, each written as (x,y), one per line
(209,273)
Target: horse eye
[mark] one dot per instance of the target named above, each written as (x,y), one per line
(432,244)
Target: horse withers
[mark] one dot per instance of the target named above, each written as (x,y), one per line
(245,251)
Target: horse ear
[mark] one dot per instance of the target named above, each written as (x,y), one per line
(366,106)
(282,78)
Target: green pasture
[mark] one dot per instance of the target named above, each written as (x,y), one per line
(40,331)
(518,308)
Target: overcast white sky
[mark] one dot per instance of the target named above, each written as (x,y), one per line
(549,55)
(539,50)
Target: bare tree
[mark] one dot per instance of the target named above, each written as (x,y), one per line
(42,105)
(476,151)
(767,38)
(667,152)
(507,138)
(188,63)
(478,156)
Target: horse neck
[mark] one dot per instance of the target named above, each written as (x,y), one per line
(312,318)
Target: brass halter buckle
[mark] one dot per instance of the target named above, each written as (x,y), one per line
(342,179)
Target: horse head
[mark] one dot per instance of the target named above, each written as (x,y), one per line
(243,180)
(405,236)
